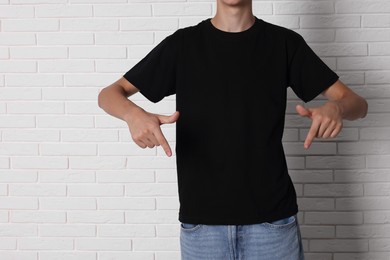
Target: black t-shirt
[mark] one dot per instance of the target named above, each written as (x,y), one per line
(231,90)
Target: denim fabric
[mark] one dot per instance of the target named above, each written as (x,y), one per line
(277,240)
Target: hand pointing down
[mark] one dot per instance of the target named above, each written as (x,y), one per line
(145,129)
(326,121)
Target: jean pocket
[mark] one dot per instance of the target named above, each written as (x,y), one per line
(189,226)
(282,223)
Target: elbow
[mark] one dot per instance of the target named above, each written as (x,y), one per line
(100,98)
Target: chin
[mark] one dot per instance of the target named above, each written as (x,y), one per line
(234,2)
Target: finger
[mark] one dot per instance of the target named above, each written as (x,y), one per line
(168,119)
(153,139)
(161,140)
(312,133)
(325,123)
(302,111)
(140,143)
(329,130)
(146,140)
(336,131)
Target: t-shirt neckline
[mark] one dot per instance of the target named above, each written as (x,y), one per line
(232,35)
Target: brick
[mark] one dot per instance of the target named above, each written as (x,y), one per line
(63,10)
(364,147)
(34,80)
(149,24)
(67,203)
(338,245)
(67,176)
(39,162)
(22,93)
(122,10)
(98,217)
(64,121)
(16,11)
(377,217)
(38,53)
(67,230)
(139,216)
(361,175)
(30,25)
(64,38)
(378,161)
(64,66)
(74,255)
(29,216)
(361,256)
(327,162)
(67,149)
(302,7)
(17,38)
(362,35)
(124,149)
(80,93)
(89,24)
(95,190)
(4,53)
(334,218)
(85,135)
(141,231)
(362,231)
(313,232)
(120,176)
(375,133)
(12,66)
(162,244)
(151,189)
(38,135)
(41,243)
(97,163)
(10,203)
(333,190)
(100,52)
(35,108)
(329,21)
(17,121)
(360,6)
(179,9)
(115,38)
(103,244)
(363,203)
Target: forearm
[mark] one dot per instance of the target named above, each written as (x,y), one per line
(352,107)
(113,101)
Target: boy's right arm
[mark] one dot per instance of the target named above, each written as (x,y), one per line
(144,126)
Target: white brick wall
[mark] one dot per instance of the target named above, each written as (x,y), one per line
(73,184)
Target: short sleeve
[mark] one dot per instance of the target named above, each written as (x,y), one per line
(308,75)
(155,74)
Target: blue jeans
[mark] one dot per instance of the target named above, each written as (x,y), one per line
(277,240)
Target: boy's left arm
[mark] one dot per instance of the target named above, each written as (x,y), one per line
(327,120)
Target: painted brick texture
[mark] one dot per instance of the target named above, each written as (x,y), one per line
(74,185)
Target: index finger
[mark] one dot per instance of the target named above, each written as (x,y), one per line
(162,141)
(312,133)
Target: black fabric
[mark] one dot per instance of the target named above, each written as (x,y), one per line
(155,74)
(231,90)
(308,74)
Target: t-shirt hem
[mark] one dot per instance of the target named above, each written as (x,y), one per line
(325,85)
(234,221)
(144,91)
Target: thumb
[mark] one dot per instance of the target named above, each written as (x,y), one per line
(168,119)
(302,111)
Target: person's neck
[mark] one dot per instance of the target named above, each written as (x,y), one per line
(230,20)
